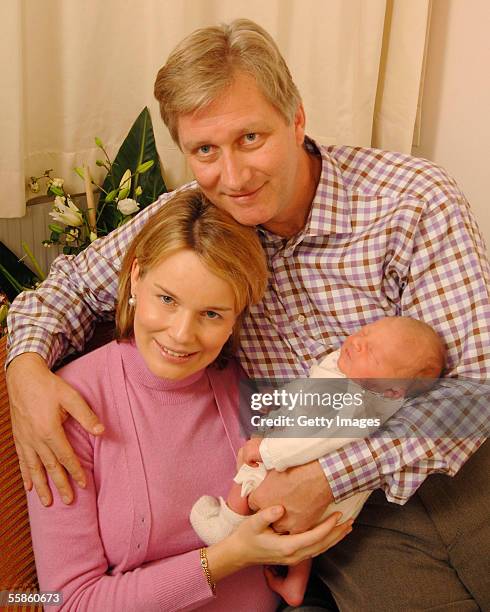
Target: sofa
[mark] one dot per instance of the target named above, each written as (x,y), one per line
(17,569)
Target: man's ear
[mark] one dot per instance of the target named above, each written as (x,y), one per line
(299,124)
(135,275)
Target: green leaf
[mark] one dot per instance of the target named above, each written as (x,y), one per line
(138,145)
(80,173)
(57,229)
(17,287)
(57,191)
(14,275)
(125,220)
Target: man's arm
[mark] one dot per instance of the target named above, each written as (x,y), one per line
(445,282)
(44,325)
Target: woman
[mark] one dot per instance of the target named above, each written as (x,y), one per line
(167,394)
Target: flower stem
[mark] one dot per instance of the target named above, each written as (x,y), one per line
(40,274)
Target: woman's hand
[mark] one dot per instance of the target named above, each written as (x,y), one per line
(256,543)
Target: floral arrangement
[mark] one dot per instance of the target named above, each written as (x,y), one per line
(133,181)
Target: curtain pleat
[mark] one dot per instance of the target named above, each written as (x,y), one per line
(400,76)
(12,112)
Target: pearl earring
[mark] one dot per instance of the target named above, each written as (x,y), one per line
(132,301)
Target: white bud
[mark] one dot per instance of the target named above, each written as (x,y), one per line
(127,206)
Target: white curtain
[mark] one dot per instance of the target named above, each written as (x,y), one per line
(74,70)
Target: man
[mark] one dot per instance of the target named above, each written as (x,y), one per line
(351,235)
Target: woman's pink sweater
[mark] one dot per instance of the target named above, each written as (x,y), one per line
(126,542)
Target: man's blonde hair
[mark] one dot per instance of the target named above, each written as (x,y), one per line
(228,249)
(205,63)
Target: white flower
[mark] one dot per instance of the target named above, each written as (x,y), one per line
(127,206)
(93,236)
(69,238)
(59,201)
(57,182)
(69,215)
(34,185)
(74,232)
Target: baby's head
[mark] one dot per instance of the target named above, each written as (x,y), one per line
(400,348)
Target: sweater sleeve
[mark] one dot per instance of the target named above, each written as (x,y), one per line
(70,555)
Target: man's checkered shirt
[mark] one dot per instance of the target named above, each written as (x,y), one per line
(387,234)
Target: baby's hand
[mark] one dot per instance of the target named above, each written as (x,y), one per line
(251,453)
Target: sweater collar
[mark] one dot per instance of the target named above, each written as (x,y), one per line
(137,371)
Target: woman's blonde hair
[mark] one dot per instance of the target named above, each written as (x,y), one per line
(189,221)
(206,61)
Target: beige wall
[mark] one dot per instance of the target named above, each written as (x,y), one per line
(455,129)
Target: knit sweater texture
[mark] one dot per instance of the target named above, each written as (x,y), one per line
(125,543)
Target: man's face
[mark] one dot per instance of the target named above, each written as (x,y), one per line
(246,159)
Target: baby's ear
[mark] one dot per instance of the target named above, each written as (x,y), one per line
(394,393)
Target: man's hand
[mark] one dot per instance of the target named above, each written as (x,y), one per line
(40,402)
(303,491)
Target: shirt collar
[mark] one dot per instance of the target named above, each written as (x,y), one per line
(330,209)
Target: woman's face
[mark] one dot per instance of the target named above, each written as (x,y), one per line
(183,316)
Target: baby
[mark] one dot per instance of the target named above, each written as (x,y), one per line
(394,357)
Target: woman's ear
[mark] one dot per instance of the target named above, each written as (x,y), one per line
(135,276)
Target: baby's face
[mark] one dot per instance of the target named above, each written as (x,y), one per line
(375,351)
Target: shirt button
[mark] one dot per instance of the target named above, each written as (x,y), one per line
(301,318)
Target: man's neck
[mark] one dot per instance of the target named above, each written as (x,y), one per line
(308,177)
